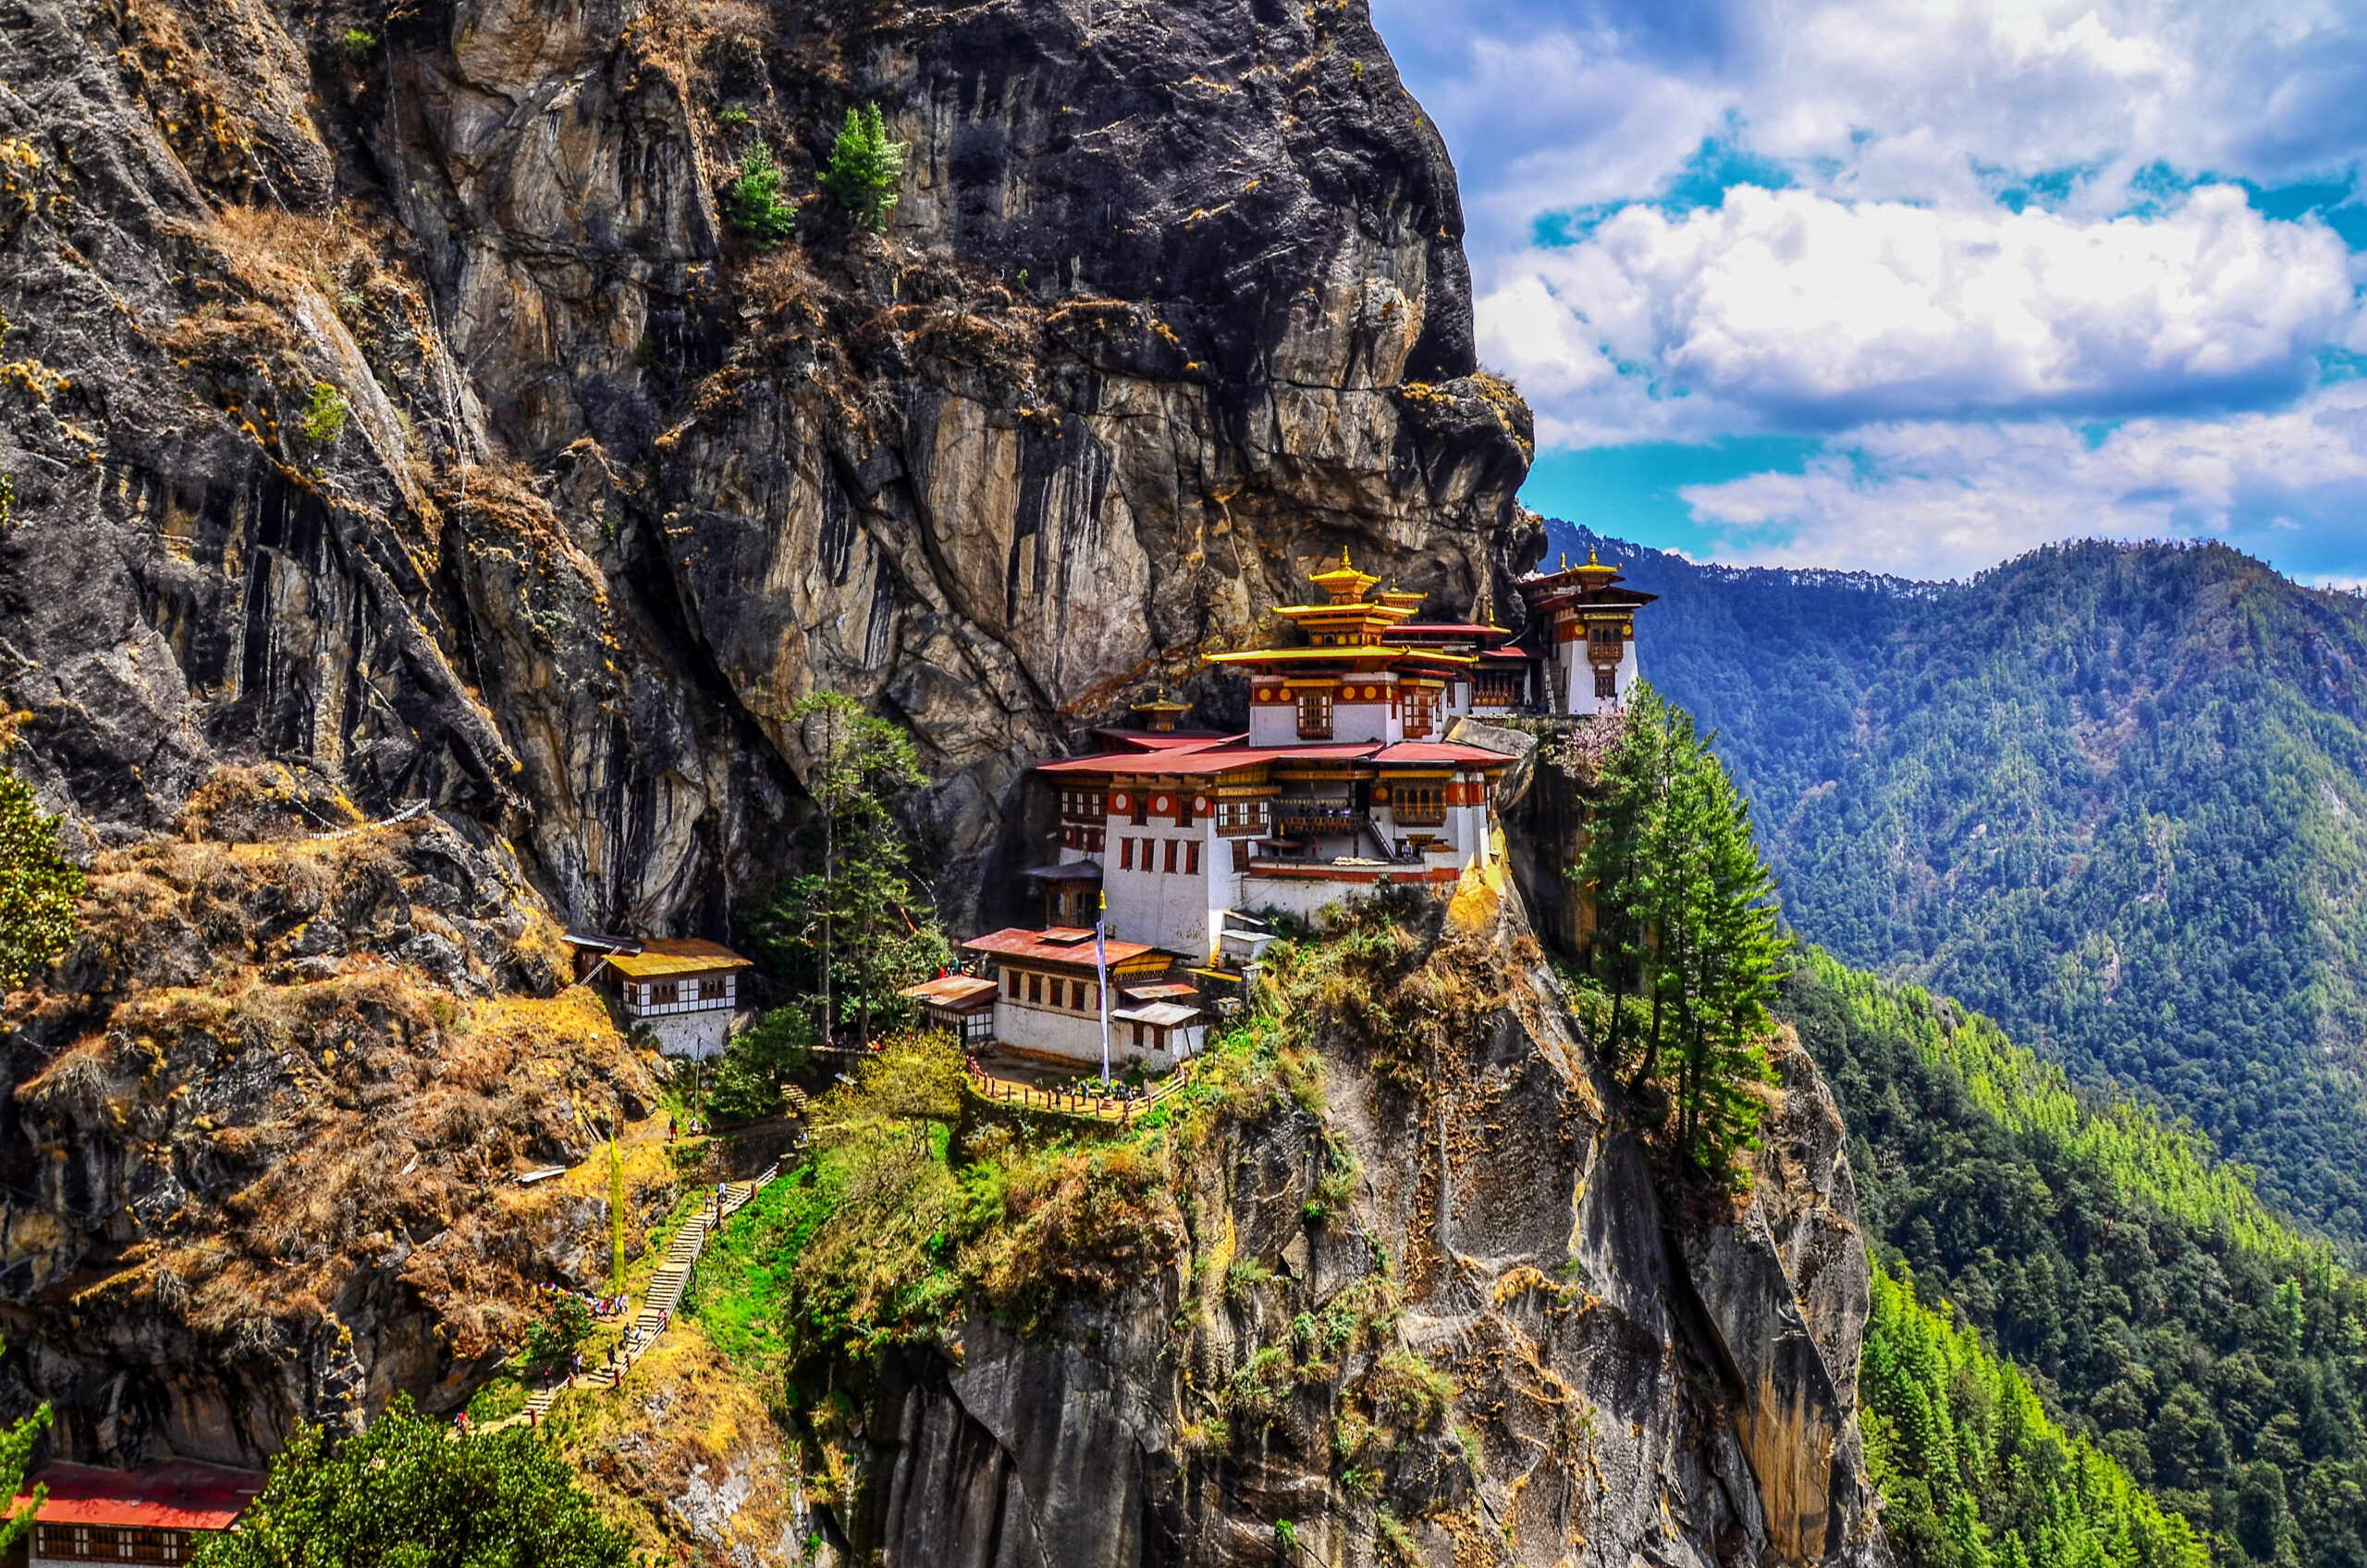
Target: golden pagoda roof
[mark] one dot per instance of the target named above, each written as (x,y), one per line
(1161,702)
(1343,582)
(1594,572)
(1396,597)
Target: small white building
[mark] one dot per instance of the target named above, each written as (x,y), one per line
(1048,998)
(683,990)
(1583,628)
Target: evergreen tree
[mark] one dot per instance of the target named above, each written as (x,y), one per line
(855,929)
(865,167)
(752,203)
(37,887)
(408,1494)
(1685,922)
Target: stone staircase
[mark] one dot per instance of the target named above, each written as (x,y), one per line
(665,1288)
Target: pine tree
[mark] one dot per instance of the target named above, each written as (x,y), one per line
(752,203)
(1686,921)
(865,169)
(37,887)
(854,927)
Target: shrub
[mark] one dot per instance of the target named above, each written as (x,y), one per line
(1256,1395)
(1406,1391)
(408,1494)
(865,169)
(359,42)
(37,888)
(731,116)
(758,1064)
(564,1323)
(324,418)
(752,203)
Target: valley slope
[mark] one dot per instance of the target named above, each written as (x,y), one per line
(2110,794)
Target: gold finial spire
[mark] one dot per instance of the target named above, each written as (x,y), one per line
(1590,560)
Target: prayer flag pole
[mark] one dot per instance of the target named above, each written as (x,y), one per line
(1101,974)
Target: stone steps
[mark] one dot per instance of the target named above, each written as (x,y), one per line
(665,1288)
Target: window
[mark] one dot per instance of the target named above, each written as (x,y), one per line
(1035,987)
(1011,983)
(1241,854)
(662,992)
(1315,716)
(1191,858)
(714,988)
(1418,710)
(1142,809)
(1184,809)
(1606,680)
(1418,805)
(1125,854)
(1170,866)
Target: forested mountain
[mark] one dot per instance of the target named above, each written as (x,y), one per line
(2110,794)
(2217,1355)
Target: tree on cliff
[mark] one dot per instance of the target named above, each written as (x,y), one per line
(855,929)
(408,1494)
(37,887)
(16,1453)
(865,167)
(1685,922)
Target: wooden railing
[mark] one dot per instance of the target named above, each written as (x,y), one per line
(1074,1102)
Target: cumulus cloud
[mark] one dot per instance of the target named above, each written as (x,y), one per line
(1928,498)
(1558,103)
(1790,308)
(1945,236)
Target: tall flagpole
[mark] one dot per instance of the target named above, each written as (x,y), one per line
(1101,974)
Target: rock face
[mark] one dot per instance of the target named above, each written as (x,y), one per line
(1172,305)
(261,1130)
(1631,1382)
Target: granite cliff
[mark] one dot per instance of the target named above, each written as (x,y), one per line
(1173,305)
(1428,1288)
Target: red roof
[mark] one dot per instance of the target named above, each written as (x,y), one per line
(182,1495)
(1222,759)
(1217,759)
(1440,751)
(1053,945)
(1165,740)
(957,992)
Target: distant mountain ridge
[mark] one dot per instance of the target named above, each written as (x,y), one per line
(2113,795)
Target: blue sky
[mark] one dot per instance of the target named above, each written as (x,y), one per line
(1916,287)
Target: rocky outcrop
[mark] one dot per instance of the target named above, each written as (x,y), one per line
(1173,305)
(1624,1380)
(258,1140)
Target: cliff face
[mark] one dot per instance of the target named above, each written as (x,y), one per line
(1631,1381)
(1173,305)
(259,1152)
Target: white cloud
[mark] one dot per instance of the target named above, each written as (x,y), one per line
(1888,291)
(1790,308)
(1553,103)
(1928,498)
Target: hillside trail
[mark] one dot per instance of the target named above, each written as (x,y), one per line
(658,1306)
